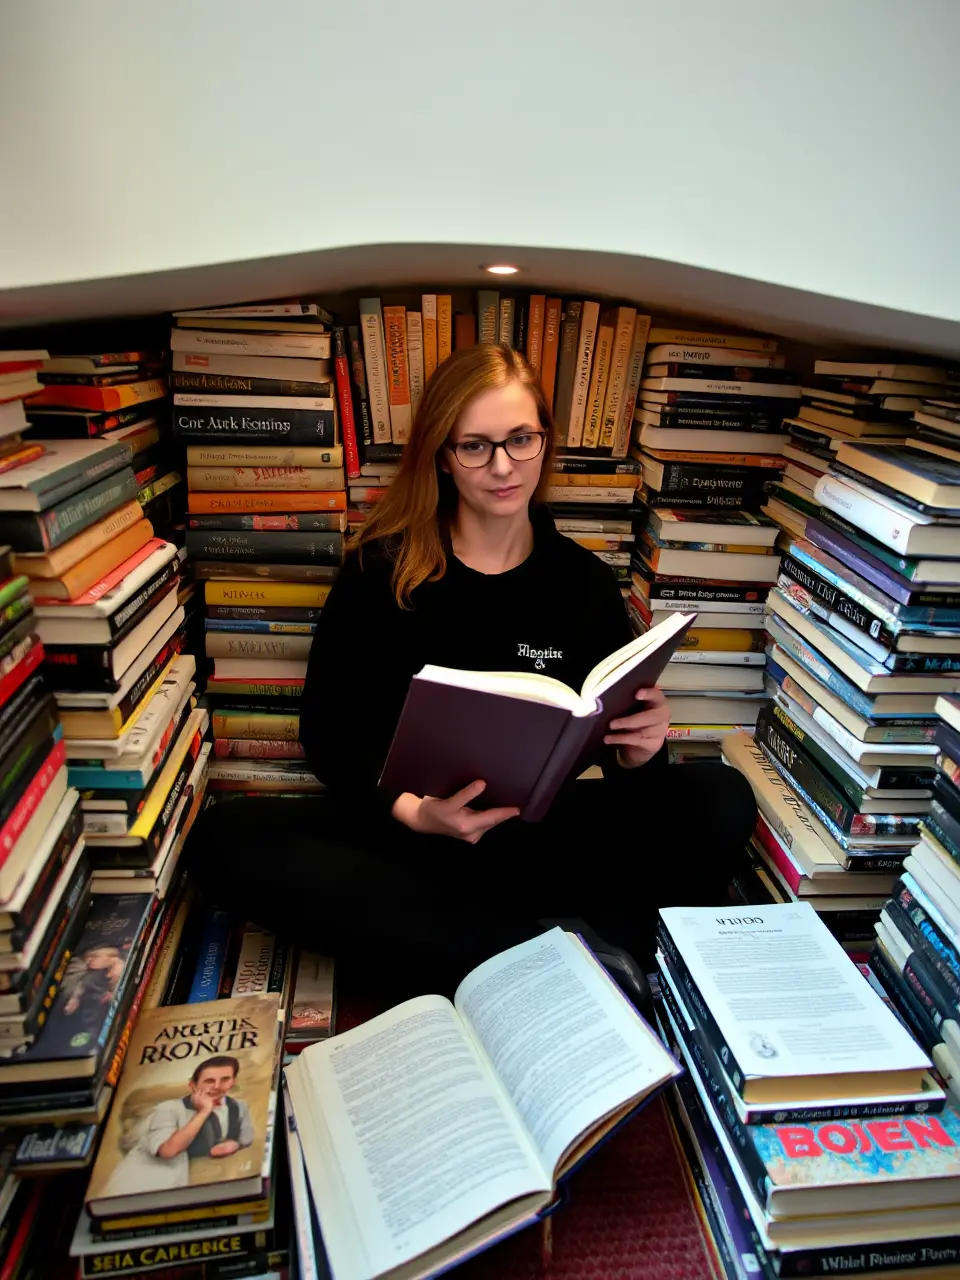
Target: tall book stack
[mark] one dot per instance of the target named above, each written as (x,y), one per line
(254,404)
(18,381)
(864,635)
(819,1140)
(708,434)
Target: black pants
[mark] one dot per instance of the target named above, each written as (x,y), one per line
(430,906)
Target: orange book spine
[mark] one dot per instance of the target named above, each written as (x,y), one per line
(464,330)
(398,373)
(534,352)
(102,398)
(551,347)
(444,326)
(233,503)
(769,461)
(428,305)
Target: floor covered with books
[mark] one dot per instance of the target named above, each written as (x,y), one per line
(174,513)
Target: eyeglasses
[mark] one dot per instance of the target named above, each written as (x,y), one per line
(522,447)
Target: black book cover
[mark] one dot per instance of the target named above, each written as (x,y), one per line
(704,417)
(695,477)
(948,740)
(590,463)
(262,613)
(276,548)
(238,385)
(838,601)
(86,1004)
(692,591)
(361,399)
(928,937)
(908,1006)
(723,373)
(776,407)
(780,742)
(195,424)
(383,453)
(919,941)
(61,424)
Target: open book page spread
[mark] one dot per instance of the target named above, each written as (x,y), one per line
(563,1041)
(407,1138)
(784,994)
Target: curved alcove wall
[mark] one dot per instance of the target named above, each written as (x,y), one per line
(786,165)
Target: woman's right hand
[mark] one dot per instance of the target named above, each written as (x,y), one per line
(451,817)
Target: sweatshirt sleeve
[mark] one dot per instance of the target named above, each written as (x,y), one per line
(608,628)
(355,685)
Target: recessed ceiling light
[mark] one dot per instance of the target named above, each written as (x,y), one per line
(502,269)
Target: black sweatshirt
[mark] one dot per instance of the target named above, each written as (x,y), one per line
(559,613)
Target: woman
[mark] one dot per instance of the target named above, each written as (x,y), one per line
(460,565)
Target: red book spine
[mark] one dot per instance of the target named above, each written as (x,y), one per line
(348,422)
(24,668)
(27,804)
(776,854)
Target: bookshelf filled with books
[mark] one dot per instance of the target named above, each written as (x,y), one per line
(176,519)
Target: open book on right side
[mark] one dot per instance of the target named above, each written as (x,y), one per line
(437,1129)
(521,732)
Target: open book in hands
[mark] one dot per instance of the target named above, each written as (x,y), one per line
(436,1129)
(521,732)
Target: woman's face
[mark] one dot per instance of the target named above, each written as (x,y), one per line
(505,486)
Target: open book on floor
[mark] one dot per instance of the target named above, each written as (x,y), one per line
(521,732)
(437,1129)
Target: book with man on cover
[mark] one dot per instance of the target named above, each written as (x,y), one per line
(189,1121)
(440,1127)
(521,732)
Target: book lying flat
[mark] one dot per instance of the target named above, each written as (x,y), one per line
(438,1128)
(521,732)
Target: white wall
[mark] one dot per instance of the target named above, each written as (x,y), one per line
(807,143)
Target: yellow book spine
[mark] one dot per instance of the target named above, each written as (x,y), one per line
(282,595)
(161,788)
(283,479)
(444,326)
(625,320)
(586,341)
(199,455)
(588,480)
(723,640)
(267,727)
(428,306)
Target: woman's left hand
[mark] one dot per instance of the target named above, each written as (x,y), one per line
(639,737)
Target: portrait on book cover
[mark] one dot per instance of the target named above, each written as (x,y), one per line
(183,1121)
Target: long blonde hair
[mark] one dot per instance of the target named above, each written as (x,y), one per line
(413,517)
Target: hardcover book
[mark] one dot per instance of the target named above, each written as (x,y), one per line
(189,1121)
(459,1087)
(521,732)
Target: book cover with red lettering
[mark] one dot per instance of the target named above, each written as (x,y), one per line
(190,1118)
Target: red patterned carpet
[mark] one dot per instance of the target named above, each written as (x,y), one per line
(630,1216)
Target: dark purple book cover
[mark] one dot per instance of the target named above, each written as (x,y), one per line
(862,562)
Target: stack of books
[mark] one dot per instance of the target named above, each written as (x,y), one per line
(864,635)
(819,1140)
(592,500)
(254,403)
(917,955)
(848,401)
(18,380)
(708,435)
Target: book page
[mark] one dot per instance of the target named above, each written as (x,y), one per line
(407,1138)
(566,1045)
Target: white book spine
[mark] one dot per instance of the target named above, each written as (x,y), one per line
(415,359)
(278,367)
(309,346)
(374,354)
(889,525)
(720,386)
(589,319)
(677,353)
(252,973)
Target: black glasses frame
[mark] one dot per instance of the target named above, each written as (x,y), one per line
(494,446)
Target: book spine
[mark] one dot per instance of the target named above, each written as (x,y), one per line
(308,346)
(371,326)
(259,455)
(926,986)
(691,338)
(254,963)
(567,369)
(818,667)
(311,427)
(534,348)
(596,395)
(101,398)
(921,936)
(284,595)
(213,570)
(464,330)
(552,316)
(415,359)
(521,315)
(226,644)
(156,951)
(237,502)
(819,755)
(277,728)
(258,627)
(801,770)
(51,528)
(238,384)
(84,544)
(838,601)
(488,316)
(428,306)
(301,522)
(261,616)
(27,805)
(904,1000)
(622,344)
(285,479)
(308,548)
(211,957)
(444,326)
(889,527)
(586,341)
(348,426)
(257,749)
(508,311)
(361,396)
(398,373)
(11,681)
(634,372)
